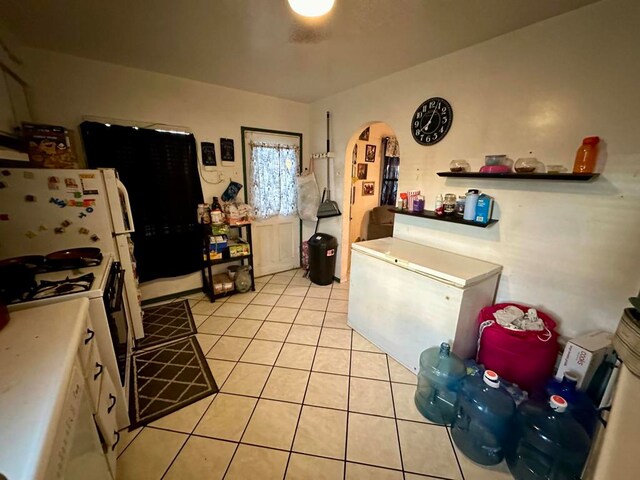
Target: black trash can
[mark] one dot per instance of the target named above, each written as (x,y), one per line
(322,258)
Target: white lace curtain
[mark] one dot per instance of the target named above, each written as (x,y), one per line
(273,187)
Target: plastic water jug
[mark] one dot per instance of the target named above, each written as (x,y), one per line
(484,419)
(548,443)
(580,405)
(438,380)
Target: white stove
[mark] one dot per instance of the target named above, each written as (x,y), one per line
(108,312)
(96,289)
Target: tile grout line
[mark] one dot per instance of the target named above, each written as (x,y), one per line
(219,391)
(395,418)
(204,413)
(257,401)
(295,433)
(346,436)
(455,454)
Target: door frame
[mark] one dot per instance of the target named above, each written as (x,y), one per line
(244,130)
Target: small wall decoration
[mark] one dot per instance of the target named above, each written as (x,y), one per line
(208,154)
(354,154)
(368,188)
(364,136)
(370,154)
(226,150)
(362,171)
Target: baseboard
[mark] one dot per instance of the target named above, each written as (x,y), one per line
(171,296)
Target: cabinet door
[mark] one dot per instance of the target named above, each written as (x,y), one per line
(106,415)
(94,373)
(87,344)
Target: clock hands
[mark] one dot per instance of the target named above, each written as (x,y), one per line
(430,118)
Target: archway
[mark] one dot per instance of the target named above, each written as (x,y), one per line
(371,180)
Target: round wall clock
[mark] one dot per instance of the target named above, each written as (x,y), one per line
(432,121)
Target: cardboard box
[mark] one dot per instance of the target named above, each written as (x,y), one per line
(239,249)
(49,146)
(217,243)
(212,256)
(583,355)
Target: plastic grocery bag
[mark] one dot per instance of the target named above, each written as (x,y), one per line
(308,197)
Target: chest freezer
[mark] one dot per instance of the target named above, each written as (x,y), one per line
(405,297)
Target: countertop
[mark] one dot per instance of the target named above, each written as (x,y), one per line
(37,352)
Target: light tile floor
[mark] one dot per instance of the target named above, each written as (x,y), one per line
(302,396)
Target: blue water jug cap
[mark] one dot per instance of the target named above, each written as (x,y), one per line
(491,378)
(557,403)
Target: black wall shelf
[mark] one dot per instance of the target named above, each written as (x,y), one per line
(574,177)
(431,215)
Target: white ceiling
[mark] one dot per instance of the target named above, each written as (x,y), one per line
(261,46)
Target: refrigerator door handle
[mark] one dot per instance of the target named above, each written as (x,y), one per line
(124,195)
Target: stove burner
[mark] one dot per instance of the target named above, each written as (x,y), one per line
(49,288)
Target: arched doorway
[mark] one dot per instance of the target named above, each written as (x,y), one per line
(371,165)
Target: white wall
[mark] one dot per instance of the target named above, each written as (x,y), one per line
(65,89)
(569,248)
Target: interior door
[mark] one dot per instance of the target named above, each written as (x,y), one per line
(276,240)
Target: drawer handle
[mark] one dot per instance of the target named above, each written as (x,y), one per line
(100,368)
(113,447)
(91,334)
(113,403)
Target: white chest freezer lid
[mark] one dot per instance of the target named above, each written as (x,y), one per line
(441,265)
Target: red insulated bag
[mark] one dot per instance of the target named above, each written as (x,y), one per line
(523,357)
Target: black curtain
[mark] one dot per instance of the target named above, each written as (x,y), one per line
(160,172)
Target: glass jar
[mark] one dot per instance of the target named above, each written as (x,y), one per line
(460,205)
(526,165)
(459,166)
(242,279)
(450,203)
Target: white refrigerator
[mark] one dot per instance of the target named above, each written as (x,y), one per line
(405,297)
(46,210)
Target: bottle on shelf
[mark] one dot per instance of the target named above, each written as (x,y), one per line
(216,211)
(450,203)
(439,205)
(470,204)
(586,155)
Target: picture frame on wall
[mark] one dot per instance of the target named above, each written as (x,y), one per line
(368,188)
(208,154)
(227,153)
(364,136)
(370,153)
(362,171)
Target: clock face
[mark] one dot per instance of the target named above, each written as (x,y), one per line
(432,121)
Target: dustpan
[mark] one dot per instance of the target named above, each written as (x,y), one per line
(328,208)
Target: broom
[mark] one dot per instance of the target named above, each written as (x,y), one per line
(328,208)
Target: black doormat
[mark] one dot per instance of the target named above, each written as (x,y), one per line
(167,378)
(166,322)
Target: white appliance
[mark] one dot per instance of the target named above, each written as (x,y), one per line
(405,297)
(109,328)
(45,210)
(48,411)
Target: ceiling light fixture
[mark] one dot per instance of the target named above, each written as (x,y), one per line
(311,8)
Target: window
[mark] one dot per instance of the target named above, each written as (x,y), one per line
(273,181)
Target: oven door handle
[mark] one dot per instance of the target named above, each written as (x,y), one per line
(116,302)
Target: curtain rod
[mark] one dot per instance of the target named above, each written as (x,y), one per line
(135,123)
